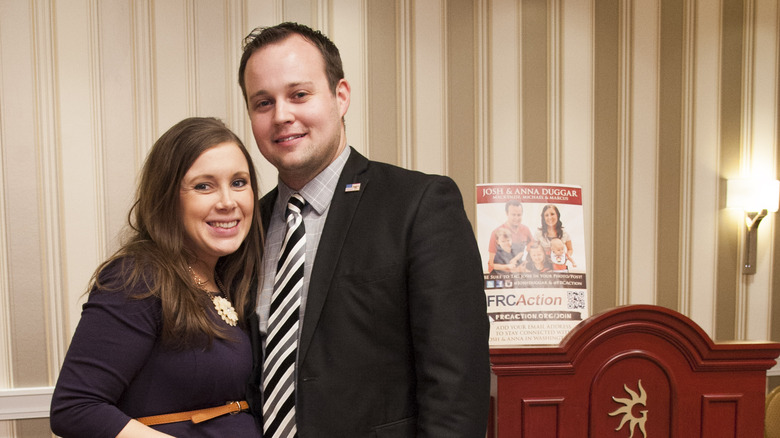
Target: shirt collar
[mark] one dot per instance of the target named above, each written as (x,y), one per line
(319,191)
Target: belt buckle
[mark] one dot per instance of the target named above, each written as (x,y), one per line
(238,406)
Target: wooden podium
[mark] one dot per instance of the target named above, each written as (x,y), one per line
(631,372)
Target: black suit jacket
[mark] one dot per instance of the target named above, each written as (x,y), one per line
(395,338)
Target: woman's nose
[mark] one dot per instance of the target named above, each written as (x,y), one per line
(226,199)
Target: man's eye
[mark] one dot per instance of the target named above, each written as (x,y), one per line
(262,104)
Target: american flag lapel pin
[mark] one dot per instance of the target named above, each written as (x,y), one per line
(354,187)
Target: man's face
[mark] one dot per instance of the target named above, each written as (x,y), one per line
(514,215)
(296,118)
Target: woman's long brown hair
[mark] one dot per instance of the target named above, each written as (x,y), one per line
(153,259)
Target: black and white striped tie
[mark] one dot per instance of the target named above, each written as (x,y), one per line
(282,336)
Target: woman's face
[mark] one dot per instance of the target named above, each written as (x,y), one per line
(216,202)
(550,217)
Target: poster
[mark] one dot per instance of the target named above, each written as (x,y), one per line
(531,239)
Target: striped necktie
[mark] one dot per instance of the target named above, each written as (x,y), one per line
(282,335)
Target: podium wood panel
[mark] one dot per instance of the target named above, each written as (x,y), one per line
(634,371)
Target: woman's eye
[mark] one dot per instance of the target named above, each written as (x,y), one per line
(239,183)
(201,186)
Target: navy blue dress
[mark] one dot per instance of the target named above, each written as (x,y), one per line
(116,369)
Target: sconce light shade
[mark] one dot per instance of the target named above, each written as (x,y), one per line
(753,195)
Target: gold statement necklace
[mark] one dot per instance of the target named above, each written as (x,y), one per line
(221,304)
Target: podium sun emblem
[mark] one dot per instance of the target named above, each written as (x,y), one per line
(627,410)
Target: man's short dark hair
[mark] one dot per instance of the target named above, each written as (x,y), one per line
(513,203)
(263,36)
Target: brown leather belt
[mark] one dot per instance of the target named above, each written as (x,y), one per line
(196,416)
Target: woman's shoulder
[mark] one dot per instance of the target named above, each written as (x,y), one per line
(115,296)
(125,274)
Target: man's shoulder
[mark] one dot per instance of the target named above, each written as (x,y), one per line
(378,179)
(384,177)
(399,172)
(504,226)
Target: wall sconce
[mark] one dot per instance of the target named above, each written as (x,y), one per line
(756,198)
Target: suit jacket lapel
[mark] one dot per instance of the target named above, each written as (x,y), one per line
(340,214)
(267,208)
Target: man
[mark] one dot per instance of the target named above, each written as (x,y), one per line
(521,234)
(392,326)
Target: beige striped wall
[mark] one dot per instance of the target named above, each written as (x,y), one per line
(649,105)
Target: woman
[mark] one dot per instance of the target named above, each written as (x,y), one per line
(552,228)
(163,329)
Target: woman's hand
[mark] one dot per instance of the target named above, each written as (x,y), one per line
(136,429)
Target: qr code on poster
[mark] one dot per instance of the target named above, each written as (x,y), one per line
(576,299)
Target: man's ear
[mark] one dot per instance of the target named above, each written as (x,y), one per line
(342,96)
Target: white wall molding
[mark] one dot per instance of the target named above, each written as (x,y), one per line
(144,106)
(624,151)
(349,32)
(746,141)
(5,281)
(704,169)
(429,85)
(49,175)
(482,91)
(577,118)
(687,188)
(98,130)
(405,80)
(554,93)
(504,78)
(644,118)
(236,28)
(763,160)
(22,403)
